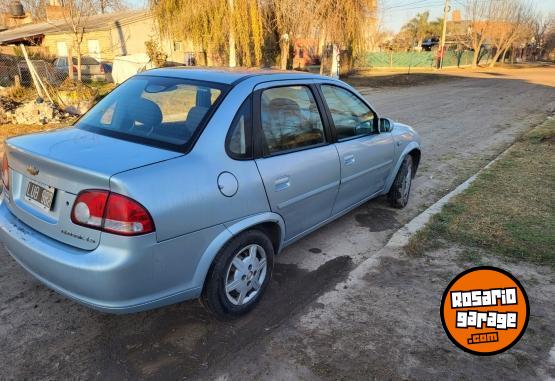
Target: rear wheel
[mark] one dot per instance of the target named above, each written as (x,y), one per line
(239,275)
(400,190)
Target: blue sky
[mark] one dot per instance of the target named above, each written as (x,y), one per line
(395,13)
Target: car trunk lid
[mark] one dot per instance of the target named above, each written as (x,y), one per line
(66,162)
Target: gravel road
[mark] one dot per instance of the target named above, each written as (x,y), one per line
(464,122)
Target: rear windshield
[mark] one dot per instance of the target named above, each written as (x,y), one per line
(154,110)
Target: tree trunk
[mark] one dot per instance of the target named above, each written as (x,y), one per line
(334,70)
(232,49)
(284,51)
(496,57)
(322,42)
(321,49)
(70,63)
(475,58)
(504,54)
(78,62)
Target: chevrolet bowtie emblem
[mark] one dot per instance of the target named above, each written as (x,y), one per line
(32,170)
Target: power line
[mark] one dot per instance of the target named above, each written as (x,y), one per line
(412,8)
(406,5)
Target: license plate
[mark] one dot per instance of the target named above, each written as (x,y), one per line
(41,195)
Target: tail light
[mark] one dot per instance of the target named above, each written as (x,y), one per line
(111,212)
(5,172)
(102,70)
(74,69)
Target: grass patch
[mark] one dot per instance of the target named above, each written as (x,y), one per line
(509,209)
(471,255)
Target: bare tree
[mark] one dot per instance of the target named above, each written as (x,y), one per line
(542,26)
(76,18)
(106,6)
(511,21)
(479,23)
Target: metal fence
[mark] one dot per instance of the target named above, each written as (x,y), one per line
(415,59)
(15,70)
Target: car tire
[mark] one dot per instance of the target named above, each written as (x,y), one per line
(400,190)
(237,280)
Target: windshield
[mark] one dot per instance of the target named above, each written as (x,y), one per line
(154,110)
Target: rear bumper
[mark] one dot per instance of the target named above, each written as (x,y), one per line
(122,275)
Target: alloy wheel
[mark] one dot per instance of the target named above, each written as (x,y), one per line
(246,274)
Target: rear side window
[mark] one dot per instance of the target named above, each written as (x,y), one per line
(153,109)
(239,138)
(290,119)
(351,116)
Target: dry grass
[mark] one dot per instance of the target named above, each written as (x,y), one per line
(19,93)
(378,80)
(509,209)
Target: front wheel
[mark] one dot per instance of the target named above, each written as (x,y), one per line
(239,275)
(400,190)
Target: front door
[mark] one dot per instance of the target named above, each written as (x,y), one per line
(366,155)
(299,168)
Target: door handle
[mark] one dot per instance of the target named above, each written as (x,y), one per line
(349,159)
(282,183)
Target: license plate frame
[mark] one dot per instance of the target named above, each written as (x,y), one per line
(40,194)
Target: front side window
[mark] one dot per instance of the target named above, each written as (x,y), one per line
(153,109)
(351,117)
(290,119)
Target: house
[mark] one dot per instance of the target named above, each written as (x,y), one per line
(105,37)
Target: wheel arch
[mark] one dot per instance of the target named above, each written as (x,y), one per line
(270,223)
(415,153)
(413,149)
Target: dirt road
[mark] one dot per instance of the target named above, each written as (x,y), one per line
(464,122)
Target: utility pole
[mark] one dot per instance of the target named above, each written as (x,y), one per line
(443,32)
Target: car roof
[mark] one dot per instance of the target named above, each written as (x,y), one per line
(230,76)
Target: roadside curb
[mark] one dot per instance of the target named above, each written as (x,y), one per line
(402,236)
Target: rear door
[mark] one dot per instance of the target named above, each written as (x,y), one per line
(297,163)
(366,155)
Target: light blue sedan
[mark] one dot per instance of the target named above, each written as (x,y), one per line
(185,183)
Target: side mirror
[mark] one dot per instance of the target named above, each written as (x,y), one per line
(385,125)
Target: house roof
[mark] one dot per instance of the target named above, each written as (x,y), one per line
(105,21)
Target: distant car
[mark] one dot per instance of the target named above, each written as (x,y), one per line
(186,183)
(91,68)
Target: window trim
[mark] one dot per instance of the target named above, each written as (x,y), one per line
(375,122)
(260,145)
(249,136)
